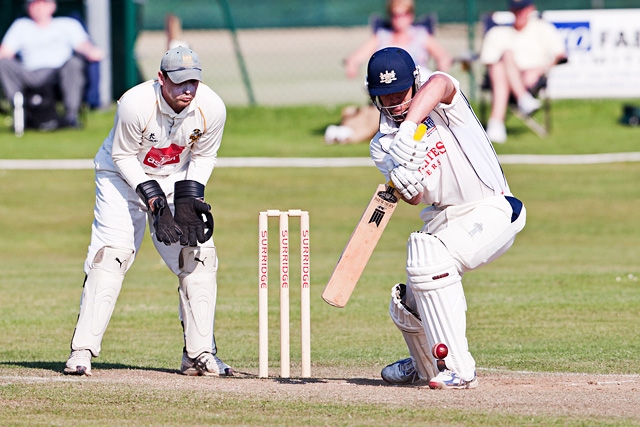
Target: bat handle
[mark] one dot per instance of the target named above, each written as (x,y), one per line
(420,131)
(391,189)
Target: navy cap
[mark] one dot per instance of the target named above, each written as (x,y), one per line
(390,70)
(519,4)
(181,64)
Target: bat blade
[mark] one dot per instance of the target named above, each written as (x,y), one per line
(360,246)
(363,241)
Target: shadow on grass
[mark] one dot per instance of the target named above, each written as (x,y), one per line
(367,381)
(354,381)
(59,366)
(319,131)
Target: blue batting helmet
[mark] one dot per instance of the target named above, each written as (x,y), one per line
(391,70)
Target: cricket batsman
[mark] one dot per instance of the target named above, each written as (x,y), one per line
(470,216)
(154,166)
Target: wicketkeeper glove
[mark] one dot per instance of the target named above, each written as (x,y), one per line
(167,230)
(190,208)
(406,151)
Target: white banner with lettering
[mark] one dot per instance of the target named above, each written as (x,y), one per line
(604,54)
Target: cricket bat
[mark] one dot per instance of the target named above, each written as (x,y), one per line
(363,241)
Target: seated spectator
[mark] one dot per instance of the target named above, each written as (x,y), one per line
(40,49)
(402,32)
(517,57)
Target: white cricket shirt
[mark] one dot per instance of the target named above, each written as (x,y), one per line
(461,166)
(149,139)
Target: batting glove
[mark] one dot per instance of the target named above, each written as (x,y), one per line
(405,150)
(166,229)
(190,208)
(408,183)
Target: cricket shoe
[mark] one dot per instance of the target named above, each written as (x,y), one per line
(402,372)
(205,364)
(448,379)
(79,363)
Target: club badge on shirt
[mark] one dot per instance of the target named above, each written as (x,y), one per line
(195,135)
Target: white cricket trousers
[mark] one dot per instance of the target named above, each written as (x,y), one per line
(476,233)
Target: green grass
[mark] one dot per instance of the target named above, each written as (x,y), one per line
(565,298)
(579,127)
(563,270)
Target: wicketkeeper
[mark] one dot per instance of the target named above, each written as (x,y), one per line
(154,166)
(470,218)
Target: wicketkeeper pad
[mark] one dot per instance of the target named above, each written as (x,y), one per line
(412,331)
(101,289)
(198,291)
(437,288)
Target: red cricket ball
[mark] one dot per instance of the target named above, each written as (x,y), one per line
(440,351)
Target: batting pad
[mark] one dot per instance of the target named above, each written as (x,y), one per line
(101,289)
(413,332)
(198,292)
(437,289)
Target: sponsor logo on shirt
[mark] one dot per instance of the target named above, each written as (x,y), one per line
(432,161)
(158,157)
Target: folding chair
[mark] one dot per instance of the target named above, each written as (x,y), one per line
(41,107)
